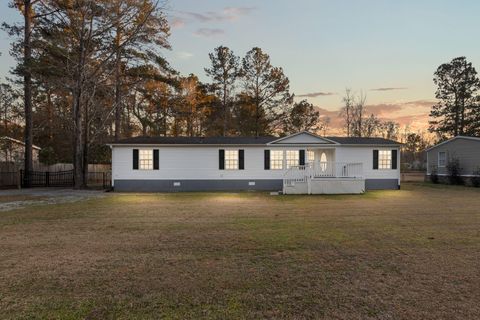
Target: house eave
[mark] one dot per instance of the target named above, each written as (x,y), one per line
(303,132)
(370,145)
(322,145)
(452,139)
(181,145)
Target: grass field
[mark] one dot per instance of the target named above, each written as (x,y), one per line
(408,254)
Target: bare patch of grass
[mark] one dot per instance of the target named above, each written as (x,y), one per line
(18,197)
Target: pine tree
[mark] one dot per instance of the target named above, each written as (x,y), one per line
(457,110)
(224,71)
(268,90)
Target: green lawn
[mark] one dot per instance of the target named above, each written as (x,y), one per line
(408,254)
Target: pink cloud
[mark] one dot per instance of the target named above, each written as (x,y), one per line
(414,114)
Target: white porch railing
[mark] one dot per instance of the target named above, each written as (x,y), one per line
(318,170)
(336,170)
(297,174)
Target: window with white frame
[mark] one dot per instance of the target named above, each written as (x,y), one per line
(231,159)
(310,156)
(276,159)
(293,158)
(384,159)
(442,159)
(323,162)
(145,159)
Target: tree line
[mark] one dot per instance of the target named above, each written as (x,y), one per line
(92,72)
(359,123)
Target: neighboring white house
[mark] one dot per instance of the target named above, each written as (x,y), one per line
(13,150)
(299,163)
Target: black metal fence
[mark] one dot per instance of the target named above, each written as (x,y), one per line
(99,179)
(46,179)
(63,179)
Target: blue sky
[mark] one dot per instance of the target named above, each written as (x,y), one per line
(326,46)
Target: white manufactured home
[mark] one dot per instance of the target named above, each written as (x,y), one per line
(301,163)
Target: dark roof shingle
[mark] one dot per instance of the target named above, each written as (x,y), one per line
(242,140)
(197,140)
(363,140)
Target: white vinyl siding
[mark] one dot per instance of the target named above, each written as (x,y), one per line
(201,163)
(145,159)
(231,159)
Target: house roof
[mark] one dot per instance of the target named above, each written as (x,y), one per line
(196,140)
(452,139)
(18,142)
(363,140)
(145,140)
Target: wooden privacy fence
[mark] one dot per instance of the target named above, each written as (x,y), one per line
(9,179)
(412,176)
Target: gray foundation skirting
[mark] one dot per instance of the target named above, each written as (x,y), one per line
(197,185)
(382,184)
(226,185)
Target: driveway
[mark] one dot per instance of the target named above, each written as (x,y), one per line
(20,198)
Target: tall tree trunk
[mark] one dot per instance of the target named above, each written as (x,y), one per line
(457,115)
(224,110)
(347,110)
(118,102)
(78,118)
(78,139)
(50,114)
(27,87)
(257,107)
(86,132)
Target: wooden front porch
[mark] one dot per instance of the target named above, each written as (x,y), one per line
(320,177)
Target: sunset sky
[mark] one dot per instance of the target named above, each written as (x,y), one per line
(389,49)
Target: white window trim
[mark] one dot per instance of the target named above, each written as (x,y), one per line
(283,160)
(380,167)
(438,159)
(237,159)
(140,166)
(296,159)
(309,154)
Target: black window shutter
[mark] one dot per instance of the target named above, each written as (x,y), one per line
(394,159)
(241,159)
(135,159)
(267,160)
(221,159)
(301,161)
(156,159)
(375,159)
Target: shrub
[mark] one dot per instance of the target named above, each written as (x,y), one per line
(434,175)
(453,170)
(48,156)
(476,178)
